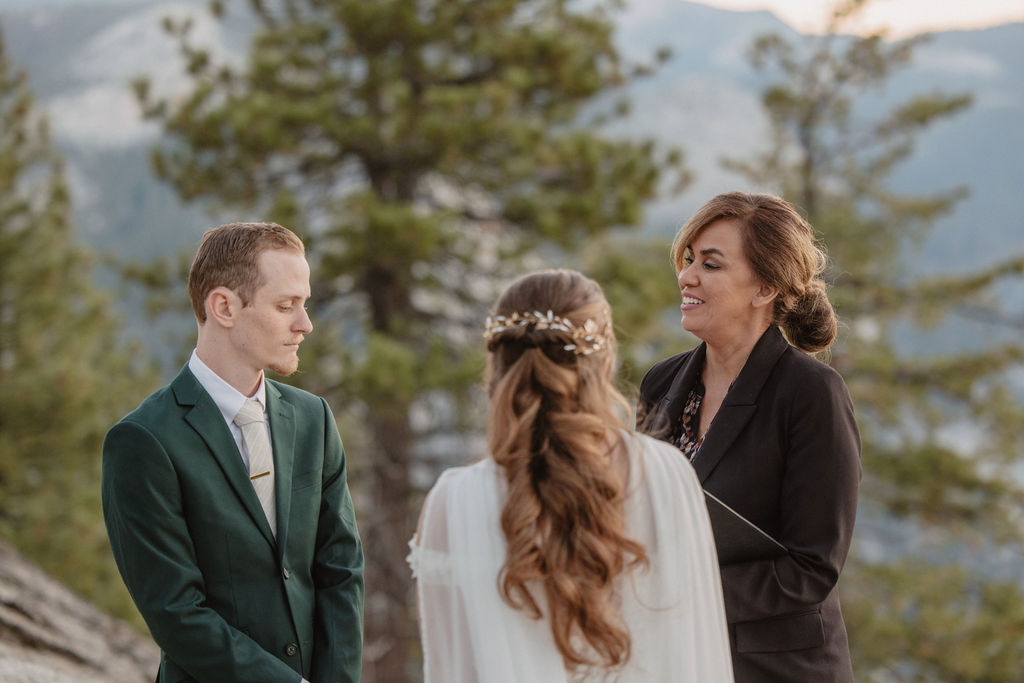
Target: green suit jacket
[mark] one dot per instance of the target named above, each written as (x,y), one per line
(223,599)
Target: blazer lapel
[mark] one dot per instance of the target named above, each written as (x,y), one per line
(740,403)
(670,409)
(282,435)
(204,417)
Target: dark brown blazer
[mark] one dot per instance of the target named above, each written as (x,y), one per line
(783,451)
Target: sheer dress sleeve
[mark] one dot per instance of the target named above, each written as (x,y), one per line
(442,618)
(468,632)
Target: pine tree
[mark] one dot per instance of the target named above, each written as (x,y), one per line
(941,430)
(66,376)
(431,150)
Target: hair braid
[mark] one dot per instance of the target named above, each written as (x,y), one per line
(552,428)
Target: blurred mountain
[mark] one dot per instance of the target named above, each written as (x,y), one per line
(81,56)
(707,99)
(81,59)
(981,149)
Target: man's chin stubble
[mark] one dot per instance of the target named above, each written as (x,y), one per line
(283,370)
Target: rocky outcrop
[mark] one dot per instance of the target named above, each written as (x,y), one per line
(50,635)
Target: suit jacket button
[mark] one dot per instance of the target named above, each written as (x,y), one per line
(286,574)
(291,649)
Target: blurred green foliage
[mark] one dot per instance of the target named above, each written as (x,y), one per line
(430,151)
(66,374)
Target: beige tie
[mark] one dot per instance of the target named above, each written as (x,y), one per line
(261,460)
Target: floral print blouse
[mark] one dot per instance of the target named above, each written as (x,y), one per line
(687,440)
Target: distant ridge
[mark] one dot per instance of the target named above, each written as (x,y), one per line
(705,99)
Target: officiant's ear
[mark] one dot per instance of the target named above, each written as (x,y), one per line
(222,306)
(765,296)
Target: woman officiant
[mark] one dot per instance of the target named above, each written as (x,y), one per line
(769,429)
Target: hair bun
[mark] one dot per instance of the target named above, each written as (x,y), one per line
(810,324)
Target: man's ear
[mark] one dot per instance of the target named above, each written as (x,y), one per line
(764,296)
(222,306)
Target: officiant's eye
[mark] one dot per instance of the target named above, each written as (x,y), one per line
(688,256)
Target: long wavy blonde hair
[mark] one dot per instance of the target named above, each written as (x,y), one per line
(553,425)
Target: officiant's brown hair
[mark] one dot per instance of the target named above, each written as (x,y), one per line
(553,421)
(783,252)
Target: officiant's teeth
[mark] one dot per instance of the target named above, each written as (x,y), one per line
(691,300)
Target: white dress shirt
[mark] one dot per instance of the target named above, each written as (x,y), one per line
(228,399)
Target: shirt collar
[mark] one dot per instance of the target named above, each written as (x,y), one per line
(228,399)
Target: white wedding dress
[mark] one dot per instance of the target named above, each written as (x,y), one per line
(673,609)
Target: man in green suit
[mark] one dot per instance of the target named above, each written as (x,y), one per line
(238,582)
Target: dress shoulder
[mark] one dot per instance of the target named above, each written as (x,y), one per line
(432,546)
(657,459)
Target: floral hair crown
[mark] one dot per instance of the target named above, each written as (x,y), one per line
(585,340)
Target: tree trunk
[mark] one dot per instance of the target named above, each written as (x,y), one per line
(50,635)
(391,638)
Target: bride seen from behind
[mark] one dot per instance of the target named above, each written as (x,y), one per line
(576,550)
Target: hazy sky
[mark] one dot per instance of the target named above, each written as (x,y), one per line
(902,17)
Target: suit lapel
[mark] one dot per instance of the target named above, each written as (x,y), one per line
(740,403)
(282,435)
(205,418)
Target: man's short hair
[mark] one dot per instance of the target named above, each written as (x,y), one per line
(228,256)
